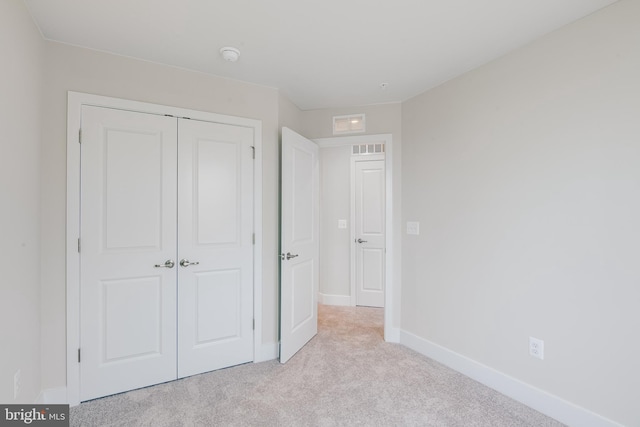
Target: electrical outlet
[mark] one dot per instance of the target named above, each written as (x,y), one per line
(536,348)
(17,383)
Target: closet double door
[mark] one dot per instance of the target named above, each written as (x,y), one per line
(166,251)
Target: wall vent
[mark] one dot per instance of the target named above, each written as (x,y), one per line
(364,149)
(353,123)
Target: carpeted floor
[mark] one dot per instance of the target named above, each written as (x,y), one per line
(346,375)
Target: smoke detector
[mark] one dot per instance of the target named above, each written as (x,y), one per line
(230,54)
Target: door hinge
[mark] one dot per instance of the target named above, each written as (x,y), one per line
(79,136)
(254,324)
(78,245)
(253,152)
(253,238)
(78,355)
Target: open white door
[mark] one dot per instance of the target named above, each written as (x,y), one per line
(299,243)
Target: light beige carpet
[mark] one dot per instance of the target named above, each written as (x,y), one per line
(346,375)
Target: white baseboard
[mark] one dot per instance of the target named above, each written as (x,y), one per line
(551,405)
(392,334)
(343,300)
(267,352)
(52,396)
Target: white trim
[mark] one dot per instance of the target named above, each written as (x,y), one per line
(268,351)
(341,300)
(52,396)
(390,333)
(540,400)
(75,101)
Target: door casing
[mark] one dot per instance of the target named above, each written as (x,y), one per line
(75,101)
(391,334)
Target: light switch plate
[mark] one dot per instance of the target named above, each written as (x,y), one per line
(342,223)
(413,227)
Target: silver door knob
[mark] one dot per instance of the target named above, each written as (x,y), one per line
(187,263)
(361,241)
(290,255)
(167,264)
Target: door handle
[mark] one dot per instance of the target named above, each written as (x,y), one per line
(168,264)
(187,263)
(288,256)
(361,241)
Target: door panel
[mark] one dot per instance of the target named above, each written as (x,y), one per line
(215,230)
(299,239)
(128,206)
(370,232)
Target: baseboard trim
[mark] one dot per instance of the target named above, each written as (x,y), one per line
(342,300)
(392,334)
(57,395)
(549,404)
(267,352)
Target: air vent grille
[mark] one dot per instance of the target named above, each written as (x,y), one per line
(365,149)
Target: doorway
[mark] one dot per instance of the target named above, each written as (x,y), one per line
(335,223)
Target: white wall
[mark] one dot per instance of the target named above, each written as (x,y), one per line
(335,243)
(525,177)
(20,125)
(82,70)
(381,119)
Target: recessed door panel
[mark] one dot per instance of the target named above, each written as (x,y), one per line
(303,202)
(372,202)
(217,172)
(372,269)
(302,297)
(218,310)
(132,318)
(132,177)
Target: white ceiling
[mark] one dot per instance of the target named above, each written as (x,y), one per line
(328,53)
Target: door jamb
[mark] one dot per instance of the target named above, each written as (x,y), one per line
(390,334)
(75,101)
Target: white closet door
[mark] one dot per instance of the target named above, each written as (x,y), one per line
(215,232)
(128,225)
(299,241)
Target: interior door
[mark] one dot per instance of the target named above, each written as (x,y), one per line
(128,251)
(215,233)
(299,274)
(369,242)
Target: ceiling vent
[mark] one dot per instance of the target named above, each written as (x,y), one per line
(353,123)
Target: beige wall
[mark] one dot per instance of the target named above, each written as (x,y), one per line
(381,119)
(525,177)
(335,204)
(289,115)
(76,69)
(20,124)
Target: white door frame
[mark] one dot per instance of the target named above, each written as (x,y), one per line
(341,141)
(75,101)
